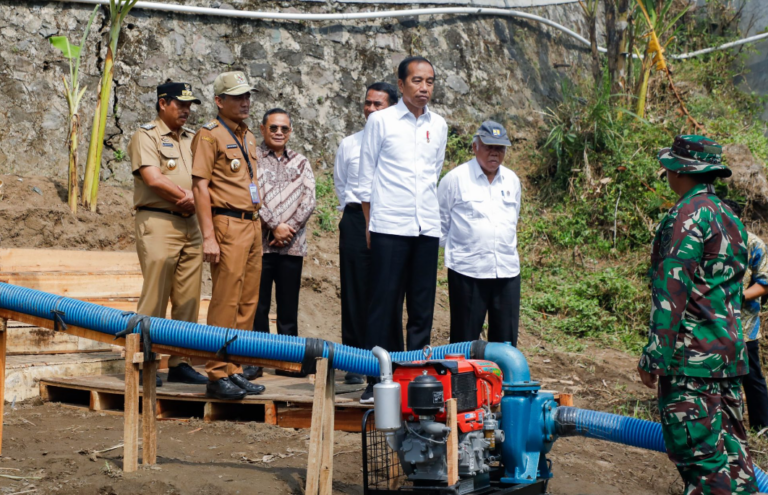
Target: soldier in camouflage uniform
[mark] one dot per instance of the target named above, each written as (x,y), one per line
(695,345)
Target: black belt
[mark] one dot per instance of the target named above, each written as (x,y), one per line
(160,210)
(242,215)
(354,206)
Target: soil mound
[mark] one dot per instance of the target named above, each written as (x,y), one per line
(34,214)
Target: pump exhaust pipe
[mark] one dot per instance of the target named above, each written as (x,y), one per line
(386,395)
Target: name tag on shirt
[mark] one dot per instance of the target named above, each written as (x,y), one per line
(254,193)
(168,145)
(231,146)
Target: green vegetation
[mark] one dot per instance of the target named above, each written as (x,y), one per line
(326,215)
(588,221)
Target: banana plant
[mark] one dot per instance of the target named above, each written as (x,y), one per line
(118,10)
(655,21)
(74,95)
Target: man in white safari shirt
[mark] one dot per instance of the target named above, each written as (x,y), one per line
(401,157)
(479,209)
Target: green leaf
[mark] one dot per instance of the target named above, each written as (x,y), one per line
(68,49)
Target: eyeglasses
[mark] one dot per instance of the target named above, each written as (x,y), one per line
(284,128)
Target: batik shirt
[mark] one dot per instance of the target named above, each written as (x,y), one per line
(698,264)
(757,273)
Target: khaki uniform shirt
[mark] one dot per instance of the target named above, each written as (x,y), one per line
(214,151)
(155,145)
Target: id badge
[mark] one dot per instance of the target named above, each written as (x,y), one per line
(254,193)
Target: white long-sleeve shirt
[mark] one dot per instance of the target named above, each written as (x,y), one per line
(400,161)
(346,168)
(479,221)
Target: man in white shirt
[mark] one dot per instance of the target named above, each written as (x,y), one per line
(354,255)
(479,209)
(400,162)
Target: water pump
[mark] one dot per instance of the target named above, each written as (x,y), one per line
(410,408)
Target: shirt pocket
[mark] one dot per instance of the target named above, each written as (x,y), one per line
(471,204)
(170,159)
(235,163)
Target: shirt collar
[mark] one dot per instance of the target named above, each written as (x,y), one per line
(698,189)
(402,110)
(265,151)
(164,130)
(477,171)
(238,129)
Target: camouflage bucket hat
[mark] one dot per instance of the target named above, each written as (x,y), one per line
(692,154)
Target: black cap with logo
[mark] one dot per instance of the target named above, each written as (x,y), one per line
(178,91)
(493,134)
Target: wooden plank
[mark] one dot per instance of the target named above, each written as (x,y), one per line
(30,260)
(149,413)
(319,417)
(176,351)
(35,340)
(329,411)
(452,442)
(564,399)
(80,284)
(131,414)
(270,414)
(3,340)
(344,420)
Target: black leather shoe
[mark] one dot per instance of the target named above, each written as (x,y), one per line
(248,387)
(184,373)
(158,381)
(292,374)
(223,388)
(252,372)
(350,379)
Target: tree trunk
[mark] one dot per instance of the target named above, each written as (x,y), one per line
(74,137)
(643,91)
(96,146)
(616,12)
(592,23)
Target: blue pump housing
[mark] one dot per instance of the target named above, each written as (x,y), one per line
(527,418)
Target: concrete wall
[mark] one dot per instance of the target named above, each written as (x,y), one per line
(487,68)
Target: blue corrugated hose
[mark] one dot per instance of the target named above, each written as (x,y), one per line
(201,337)
(621,429)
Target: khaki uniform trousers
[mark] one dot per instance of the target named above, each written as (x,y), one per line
(170,250)
(236,279)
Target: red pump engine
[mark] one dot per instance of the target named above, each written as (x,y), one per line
(474,384)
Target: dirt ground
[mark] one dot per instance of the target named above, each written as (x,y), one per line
(50,446)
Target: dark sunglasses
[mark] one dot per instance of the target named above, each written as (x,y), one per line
(273,129)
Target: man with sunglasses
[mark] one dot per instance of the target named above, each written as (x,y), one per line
(695,347)
(227,199)
(288,184)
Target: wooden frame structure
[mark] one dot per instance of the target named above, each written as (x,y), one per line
(320,456)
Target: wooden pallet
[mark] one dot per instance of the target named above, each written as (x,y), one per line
(287,402)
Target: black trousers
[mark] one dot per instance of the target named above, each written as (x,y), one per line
(472,298)
(355,264)
(755,389)
(402,266)
(285,272)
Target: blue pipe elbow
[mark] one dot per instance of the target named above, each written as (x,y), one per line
(513,365)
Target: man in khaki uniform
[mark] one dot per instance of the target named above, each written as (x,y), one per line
(227,201)
(168,241)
